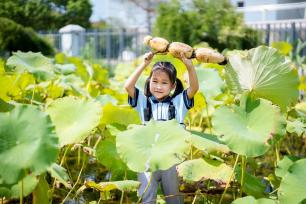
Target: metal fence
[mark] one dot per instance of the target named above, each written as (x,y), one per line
(111,45)
(285,30)
(121,45)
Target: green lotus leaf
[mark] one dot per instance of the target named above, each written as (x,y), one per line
(123,115)
(106,153)
(266,73)
(210,82)
(13,190)
(37,64)
(301,108)
(55,91)
(157,146)
(4,107)
(296,126)
(203,169)
(104,99)
(81,69)
(246,130)
(8,88)
(292,188)
(208,143)
(252,185)
(65,69)
(140,84)
(2,64)
(283,47)
(283,165)
(27,142)
(59,173)
(252,200)
(74,118)
(100,74)
(126,185)
(40,194)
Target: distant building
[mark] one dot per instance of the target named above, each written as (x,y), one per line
(262,10)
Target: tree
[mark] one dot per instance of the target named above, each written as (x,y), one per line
(47,14)
(14,37)
(212,21)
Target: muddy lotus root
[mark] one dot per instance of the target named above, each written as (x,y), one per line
(158,44)
(176,48)
(208,55)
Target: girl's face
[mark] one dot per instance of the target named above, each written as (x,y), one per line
(160,85)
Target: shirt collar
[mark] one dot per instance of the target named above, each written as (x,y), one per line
(165,100)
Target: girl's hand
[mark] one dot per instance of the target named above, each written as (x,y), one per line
(148,58)
(187,62)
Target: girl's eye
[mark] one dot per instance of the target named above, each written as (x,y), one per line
(165,82)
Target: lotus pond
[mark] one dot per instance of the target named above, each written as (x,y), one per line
(67,134)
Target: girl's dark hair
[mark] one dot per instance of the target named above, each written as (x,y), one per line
(169,69)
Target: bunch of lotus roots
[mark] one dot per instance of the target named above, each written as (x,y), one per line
(161,45)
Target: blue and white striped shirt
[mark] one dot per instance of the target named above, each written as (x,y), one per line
(181,103)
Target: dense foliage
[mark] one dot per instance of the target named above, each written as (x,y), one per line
(66,128)
(14,37)
(47,14)
(213,21)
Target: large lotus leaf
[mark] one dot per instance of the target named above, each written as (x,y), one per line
(265,72)
(247,130)
(2,70)
(105,98)
(13,190)
(210,82)
(296,126)
(157,146)
(106,153)
(203,169)
(74,118)
(40,194)
(123,115)
(27,142)
(59,173)
(9,87)
(301,109)
(126,185)
(71,80)
(283,47)
(141,82)
(100,74)
(208,143)
(35,63)
(81,69)
(252,185)
(283,165)
(65,69)
(292,188)
(252,200)
(123,70)
(4,107)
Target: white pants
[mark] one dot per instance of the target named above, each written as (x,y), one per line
(169,184)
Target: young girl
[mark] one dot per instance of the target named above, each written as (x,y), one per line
(157,103)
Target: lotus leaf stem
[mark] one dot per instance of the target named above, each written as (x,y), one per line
(21,192)
(229,180)
(79,176)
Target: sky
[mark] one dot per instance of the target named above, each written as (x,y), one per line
(98,10)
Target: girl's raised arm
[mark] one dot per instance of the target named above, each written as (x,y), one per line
(131,81)
(193,80)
